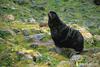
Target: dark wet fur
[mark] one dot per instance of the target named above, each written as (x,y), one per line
(64,36)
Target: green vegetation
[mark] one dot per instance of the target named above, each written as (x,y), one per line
(16,49)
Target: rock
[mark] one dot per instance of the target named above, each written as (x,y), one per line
(90,51)
(76,58)
(97,37)
(27,57)
(35,37)
(91,60)
(93,65)
(30,54)
(31,20)
(97,57)
(26,32)
(82,65)
(66,64)
(38,36)
(88,65)
(92,57)
(94,50)
(9,17)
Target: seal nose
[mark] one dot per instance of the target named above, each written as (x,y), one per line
(49,14)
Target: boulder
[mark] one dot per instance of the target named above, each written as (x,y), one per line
(93,50)
(35,37)
(9,17)
(27,57)
(88,65)
(31,20)
(38,36)
(29,54)
(97,37)
(76,58)
(96,57)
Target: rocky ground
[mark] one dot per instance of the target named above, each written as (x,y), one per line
(25,39)
(31,45)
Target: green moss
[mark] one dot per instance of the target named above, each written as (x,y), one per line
(82,12)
